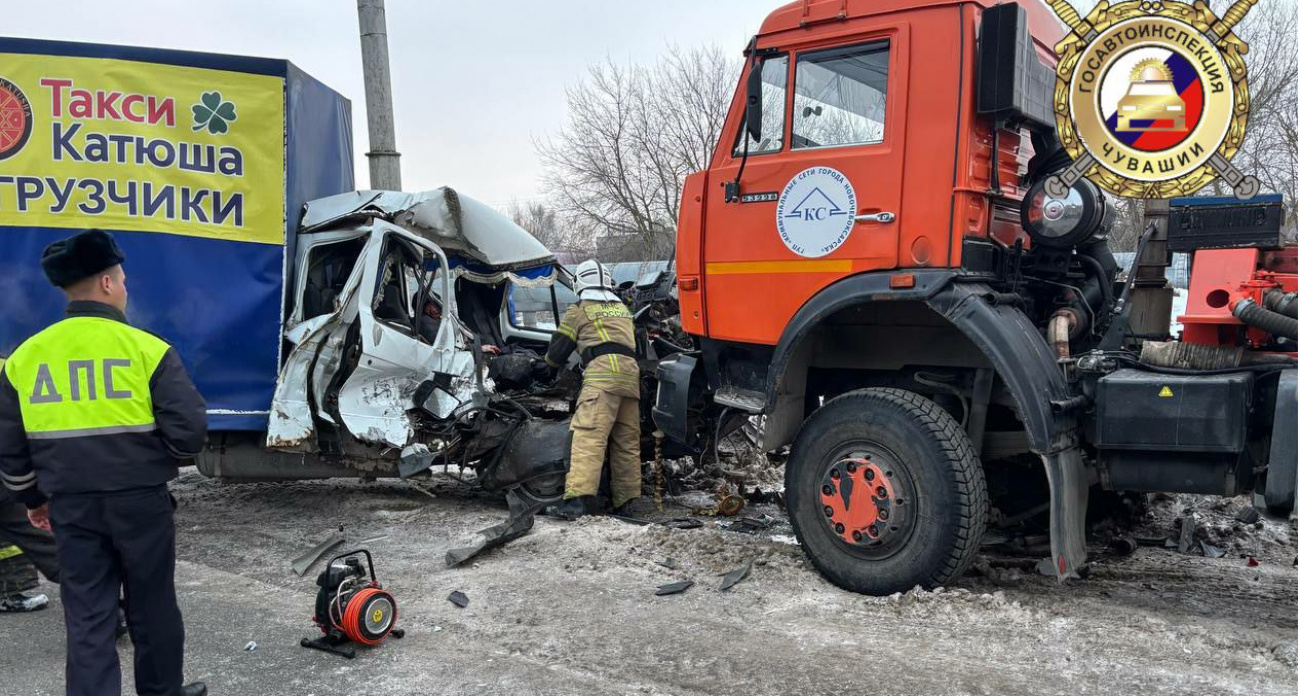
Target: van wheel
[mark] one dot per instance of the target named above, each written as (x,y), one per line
(885,492)
(206,462)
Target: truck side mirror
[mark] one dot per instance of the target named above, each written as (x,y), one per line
(754,103)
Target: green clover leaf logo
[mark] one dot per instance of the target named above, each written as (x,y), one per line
(213,113)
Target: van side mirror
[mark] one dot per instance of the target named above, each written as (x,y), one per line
(754,103)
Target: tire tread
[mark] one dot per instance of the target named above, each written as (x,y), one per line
(967,472)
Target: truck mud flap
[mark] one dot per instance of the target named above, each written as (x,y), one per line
(1011,342)
(1280,486)
(1069,507)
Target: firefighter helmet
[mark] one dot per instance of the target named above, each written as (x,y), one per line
(595,282)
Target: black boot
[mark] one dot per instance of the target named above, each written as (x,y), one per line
(23,602)
(195,689)
(632,508)
(572,508)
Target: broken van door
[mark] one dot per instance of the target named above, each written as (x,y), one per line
(324,307)
(407,335)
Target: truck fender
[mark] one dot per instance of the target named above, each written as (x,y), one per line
(1017,351)
(784,407)
(1029,370)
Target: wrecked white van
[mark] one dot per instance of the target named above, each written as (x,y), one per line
(402,351)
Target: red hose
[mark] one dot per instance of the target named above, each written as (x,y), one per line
(352,617)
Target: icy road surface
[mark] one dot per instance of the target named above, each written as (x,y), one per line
(570,609)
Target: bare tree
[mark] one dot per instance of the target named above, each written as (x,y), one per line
(1128,224)
(542,221)
(633,134)
(1269,149)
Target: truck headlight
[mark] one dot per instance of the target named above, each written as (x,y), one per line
(1063,223)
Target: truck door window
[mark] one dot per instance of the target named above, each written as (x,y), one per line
(839,96)
(775,74)
(403,281)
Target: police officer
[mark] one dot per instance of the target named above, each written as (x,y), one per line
(608,415)
(96,414)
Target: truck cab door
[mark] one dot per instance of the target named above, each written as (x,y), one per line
(821,192)
(401,343)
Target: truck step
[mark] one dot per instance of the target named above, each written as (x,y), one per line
(741,399)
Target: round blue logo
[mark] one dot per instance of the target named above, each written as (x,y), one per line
(814,215)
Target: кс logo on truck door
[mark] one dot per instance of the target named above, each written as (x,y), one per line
(814,215)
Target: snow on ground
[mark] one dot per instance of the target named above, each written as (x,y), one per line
(570,609)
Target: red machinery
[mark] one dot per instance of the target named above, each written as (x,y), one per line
(1226,283)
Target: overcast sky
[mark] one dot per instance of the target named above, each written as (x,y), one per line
(474,82)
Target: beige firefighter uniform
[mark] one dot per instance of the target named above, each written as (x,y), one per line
(608,414)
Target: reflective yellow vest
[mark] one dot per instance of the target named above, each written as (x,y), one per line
(85,376)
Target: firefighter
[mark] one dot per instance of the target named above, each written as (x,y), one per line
(96,415)
(35,551)
(24,549)
(599,327)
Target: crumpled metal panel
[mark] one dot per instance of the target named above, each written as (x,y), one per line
(455,222)
(375,400)
(290,426)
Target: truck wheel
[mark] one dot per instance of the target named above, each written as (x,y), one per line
(206,463)
(885,492)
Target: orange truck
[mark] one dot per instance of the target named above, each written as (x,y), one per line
(871,263)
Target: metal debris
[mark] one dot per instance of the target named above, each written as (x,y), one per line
(730,579)
(731,505)
(519,523)
(1248,515)
(458,598)
(629,520)
(670,563)
(304,562)
(1212,551)
(251,646)
(415,459)
(758,497)
(1187,534)
(673,588)
(1123,546)
(750,525)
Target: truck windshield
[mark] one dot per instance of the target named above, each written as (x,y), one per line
(531,308)
(839,96)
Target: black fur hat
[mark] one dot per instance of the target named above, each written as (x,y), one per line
(80,256)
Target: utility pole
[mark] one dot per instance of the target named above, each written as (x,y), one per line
(385,160)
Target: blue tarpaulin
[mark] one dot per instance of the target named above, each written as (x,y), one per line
(220,302)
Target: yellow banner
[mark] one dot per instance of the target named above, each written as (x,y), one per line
(131,146)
